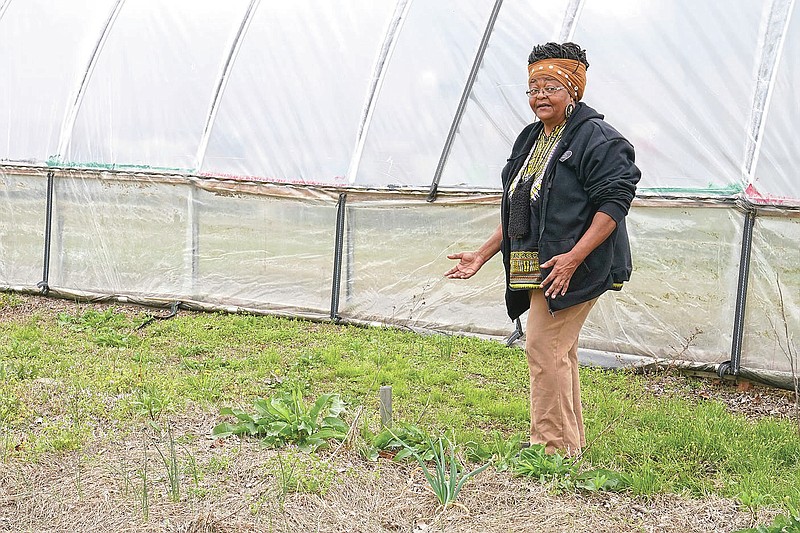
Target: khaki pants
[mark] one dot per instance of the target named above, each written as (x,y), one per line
(551,346)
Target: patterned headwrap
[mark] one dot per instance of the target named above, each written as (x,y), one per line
(571,74)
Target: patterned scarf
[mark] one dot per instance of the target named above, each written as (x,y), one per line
(571,74)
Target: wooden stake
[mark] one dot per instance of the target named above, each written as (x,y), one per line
(385,396)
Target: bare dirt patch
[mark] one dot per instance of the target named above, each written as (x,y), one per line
(751,400)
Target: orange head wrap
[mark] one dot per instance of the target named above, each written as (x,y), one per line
(571,74)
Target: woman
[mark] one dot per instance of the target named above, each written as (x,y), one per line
(567,188)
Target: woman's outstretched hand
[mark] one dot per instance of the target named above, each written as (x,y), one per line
(468,264)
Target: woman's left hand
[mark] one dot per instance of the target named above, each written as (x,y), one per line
(563,267)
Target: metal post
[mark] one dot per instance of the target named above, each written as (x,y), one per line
(222,82)
(337,255)
(72,111)
(379,72)
(741,294)
(44,285)
(462,104)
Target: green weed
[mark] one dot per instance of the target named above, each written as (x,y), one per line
(448,475)
(9,407)
(401,442)
(20,370)
(300,473)
(286,419)
(9,299)
(501,452)
(563,473)
(58,436)
(169,458)
(534,462)
(144,495)
(602,479)
(93,320)
(150,401)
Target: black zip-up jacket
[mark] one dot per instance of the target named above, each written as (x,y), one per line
(592,169)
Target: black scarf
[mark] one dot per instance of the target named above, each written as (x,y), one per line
(519,212)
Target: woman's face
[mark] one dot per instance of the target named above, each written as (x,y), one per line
(550,107)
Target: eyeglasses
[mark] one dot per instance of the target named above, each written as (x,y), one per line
(547,91)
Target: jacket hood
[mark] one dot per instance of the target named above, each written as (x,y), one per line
(581,114)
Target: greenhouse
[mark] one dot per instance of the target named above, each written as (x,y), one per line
(321,159)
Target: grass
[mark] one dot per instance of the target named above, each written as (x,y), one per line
(72,378)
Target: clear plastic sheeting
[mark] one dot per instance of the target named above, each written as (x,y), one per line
(260,251)
(395,260)
(294,117)
(45,49)
(174,240)
(120,236)
(680,301)
(498,108)
(22,222)
(773,299)
(419,94)
(679,304)
(149,95)
(678,80)
(777,170)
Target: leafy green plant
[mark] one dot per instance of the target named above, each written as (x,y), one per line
(9,406)
(8,299)
(92,320)
(150,401)
(21,370)
(448,475)
(601,479)
(534,462)
(752,499)
(113,338)
(564,472)
(501,452)
(105,326)
(401,442)
(27,347)
(286,419)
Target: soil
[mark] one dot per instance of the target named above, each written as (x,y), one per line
(100,488)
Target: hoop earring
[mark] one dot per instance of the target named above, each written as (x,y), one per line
(570,109)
